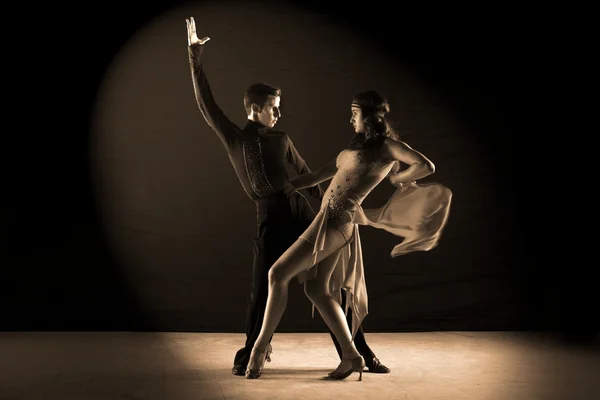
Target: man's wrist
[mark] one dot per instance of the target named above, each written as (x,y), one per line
(196,48)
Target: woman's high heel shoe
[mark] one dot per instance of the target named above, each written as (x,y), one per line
(342,372)
(257,362)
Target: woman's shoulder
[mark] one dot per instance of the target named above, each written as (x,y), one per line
(396,144)
(391,145)
(390,141)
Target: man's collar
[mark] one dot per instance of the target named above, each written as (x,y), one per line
(256,125)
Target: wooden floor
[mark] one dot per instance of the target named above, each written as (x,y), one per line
(186,366)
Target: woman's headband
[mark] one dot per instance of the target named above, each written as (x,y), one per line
(368,107)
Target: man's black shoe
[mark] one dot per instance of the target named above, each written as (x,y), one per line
(377,367)
(239,370)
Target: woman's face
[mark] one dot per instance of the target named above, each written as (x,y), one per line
(357,120)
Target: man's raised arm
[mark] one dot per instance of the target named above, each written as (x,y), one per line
(214,116)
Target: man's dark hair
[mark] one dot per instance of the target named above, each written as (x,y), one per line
(258,94)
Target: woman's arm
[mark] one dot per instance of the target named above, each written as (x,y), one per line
(419,166)
(314,178)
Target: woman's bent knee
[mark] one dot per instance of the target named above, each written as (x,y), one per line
(278,275)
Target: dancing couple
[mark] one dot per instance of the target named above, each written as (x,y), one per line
(322,250)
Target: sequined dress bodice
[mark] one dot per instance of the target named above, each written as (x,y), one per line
(356,177)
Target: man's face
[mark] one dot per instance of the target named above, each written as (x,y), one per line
(357,120)
(270,112)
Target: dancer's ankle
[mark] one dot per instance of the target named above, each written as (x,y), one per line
(261,347)
(351,352)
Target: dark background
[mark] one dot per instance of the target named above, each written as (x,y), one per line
(124,213)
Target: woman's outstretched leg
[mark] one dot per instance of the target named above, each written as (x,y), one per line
(296,259)
(317,290)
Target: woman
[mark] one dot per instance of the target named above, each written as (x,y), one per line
(331,242)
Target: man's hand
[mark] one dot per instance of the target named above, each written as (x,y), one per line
(316,192)
(289,189)
(192,37)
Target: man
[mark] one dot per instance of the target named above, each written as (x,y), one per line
(259,155)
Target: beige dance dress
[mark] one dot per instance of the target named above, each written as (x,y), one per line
(416,212)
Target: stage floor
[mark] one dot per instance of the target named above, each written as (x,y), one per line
(197,366)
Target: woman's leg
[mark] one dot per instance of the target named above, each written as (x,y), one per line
(331,311)
(296,259)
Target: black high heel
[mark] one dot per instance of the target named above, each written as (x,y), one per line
(357,365)
(252,371)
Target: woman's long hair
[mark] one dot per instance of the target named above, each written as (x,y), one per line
(374,107)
